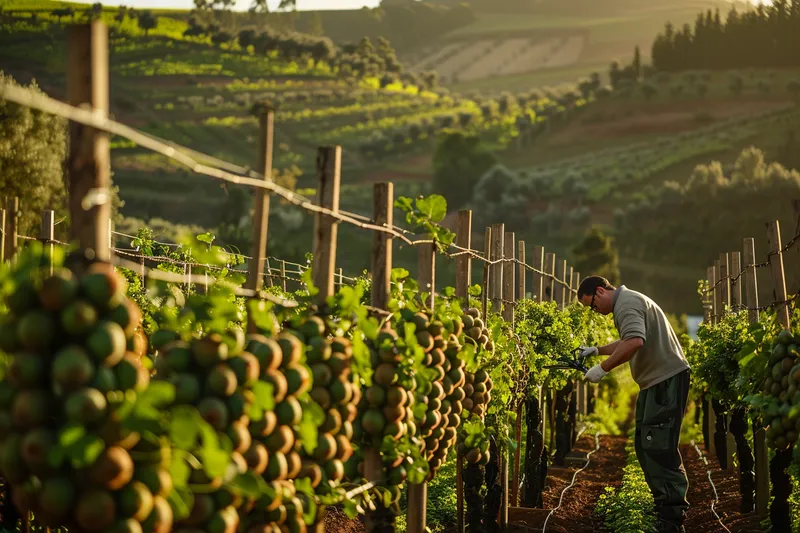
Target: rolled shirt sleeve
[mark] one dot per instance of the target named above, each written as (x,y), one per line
(631,323)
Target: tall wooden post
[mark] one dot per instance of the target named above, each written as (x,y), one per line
(487,271)
(760,452)
(725,286)
(708,298)
(780,510)
(549,281)
(463,262)
(509,284)
(522,273)
(537,261)
(329,175)
(416,517)
(382,519)
(11,228)
(709,420)
(570,286)
(463,280)
(48,233)
(558,287)
(89,159)
(498,239)
(736,285)
(719,304)
(258,252)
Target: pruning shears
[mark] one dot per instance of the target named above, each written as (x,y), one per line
(575,361)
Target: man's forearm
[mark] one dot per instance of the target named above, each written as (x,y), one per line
(623,352)
(608,349)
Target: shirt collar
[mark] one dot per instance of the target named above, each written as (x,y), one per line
(616,295)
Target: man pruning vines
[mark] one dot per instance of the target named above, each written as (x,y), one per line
(659,367)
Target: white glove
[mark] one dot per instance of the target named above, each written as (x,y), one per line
(595,374)
(589,351)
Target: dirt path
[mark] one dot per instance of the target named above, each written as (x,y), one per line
(577,508)
(700,518)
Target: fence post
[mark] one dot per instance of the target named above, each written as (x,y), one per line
(558,290)
(780,510)
(570,285)
(463,280)
(258,251)
(538,281)
(3,236)
(48,233)
(509,299)
(760,452)
(329,174)
(521,274)
(486,283)
(416,516)
(710,419)
(583,385)
(722,414)
(11,228)
(382,519)
(498,239)
(509,303)
(283,275)
(549,282)
(89,159)
(736,284)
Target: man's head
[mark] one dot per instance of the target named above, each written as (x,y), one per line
(597,293)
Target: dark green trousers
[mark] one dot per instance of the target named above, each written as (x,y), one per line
(659,413)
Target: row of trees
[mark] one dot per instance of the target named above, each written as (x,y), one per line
(767,36)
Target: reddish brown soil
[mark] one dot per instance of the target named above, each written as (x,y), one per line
(577,508)
(700,518)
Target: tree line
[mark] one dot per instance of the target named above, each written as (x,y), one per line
(767,36)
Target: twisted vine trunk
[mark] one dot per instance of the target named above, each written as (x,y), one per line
(705,409)
(721,433)
(780,512)
(473,483)
(494,491)
(563,431)
(747,480)
(534,446)
(573,414)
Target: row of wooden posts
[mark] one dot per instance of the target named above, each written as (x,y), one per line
(88,169)
(733,283)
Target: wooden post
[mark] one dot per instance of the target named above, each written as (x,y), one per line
(426,270)
(725,286)
(487,250)
(3,236)
(329,175)
(48,233)
(89,159)
(463,280)
(382,520)
(780,510)
(708,310)
(719,304)
(383,214)
(583,386)
(570,285)
(760,452)
(464,262)
(549,281)
(283,275)
(498,239)
(416,517)
(258,253)
(538,280)
(709,420)
(523,271)
(778,275)
(561,275)
(736,285)
(509,285)
(11,228)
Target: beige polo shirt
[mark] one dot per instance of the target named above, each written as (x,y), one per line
(661,355)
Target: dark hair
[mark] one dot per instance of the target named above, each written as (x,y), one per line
(589,285)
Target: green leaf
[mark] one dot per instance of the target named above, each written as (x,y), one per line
(264,394)
(179,468)
(215,461)
(313,417)
(207,238)
(351,507)
(183,429)
(434,207)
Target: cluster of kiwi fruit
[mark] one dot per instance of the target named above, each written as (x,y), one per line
(74,357)
(783,385)
(477,390)
(476,330)
(215,374)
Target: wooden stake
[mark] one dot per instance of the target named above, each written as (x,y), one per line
(725,286)
(3,236)
(736,285)
(537,261)
(778,275)
(498,239)
(509,269)
(522,273)
(258,251)
(48,233)
(561,274)
(11,228)
(709,420)
(719,307)
(283,275)
(329,174)
(487,250)
(549,281)
(569,298)
(760,452)
(383,213)
(708,309)
(89,159)
(464,262)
